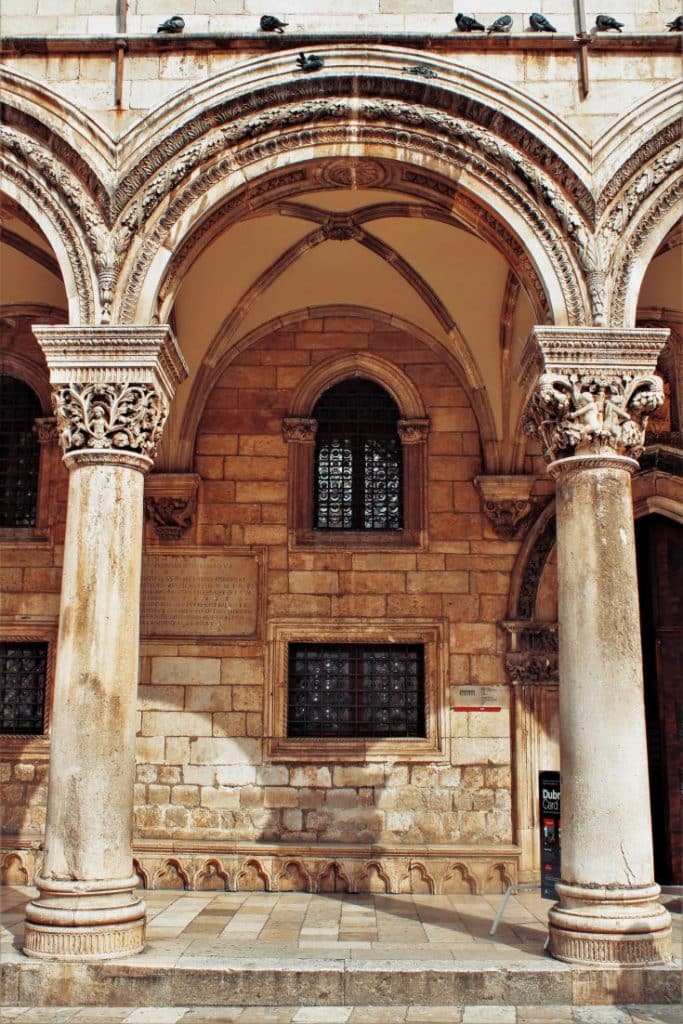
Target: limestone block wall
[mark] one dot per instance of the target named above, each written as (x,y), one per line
(202,771)
(72,17)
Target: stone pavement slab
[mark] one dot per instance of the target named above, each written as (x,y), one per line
(476,1014)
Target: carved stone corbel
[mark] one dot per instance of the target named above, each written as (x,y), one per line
(45,428)
(533,655)
(171,503)
(508,504)
(300,429)
(413,431)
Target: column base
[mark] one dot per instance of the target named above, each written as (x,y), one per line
(78,920)
(610,927)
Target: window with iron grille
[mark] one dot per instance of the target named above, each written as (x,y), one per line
(19,453)
(358,459)
(356,690)
(23,668)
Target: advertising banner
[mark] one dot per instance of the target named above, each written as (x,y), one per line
(549,818)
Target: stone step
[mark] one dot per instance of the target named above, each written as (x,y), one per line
(330,982)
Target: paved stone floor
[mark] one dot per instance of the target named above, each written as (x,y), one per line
(344,1015)
(196,928)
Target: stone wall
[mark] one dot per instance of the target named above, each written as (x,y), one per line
(95,17)
(203,773)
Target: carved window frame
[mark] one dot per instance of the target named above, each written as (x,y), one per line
(430,633)
(31,746)
(299,431)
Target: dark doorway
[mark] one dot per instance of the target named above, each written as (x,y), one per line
(659,545)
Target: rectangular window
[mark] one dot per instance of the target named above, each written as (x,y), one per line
(23,670)
(356,691)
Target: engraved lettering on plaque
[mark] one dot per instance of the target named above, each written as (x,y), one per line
(199,596)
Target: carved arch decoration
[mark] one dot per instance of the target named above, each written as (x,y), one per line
(36,193)
(457,358)
(639,182)
(528,167)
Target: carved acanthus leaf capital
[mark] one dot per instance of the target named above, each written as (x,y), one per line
(300,429)
(111,388)
(413,431)
(593,390)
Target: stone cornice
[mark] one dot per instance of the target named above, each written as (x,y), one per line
(137,353)
(597,350)
(625,42)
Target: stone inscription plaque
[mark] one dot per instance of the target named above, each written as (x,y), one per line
(197,595)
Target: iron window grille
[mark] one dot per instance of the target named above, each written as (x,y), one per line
(23,671)
(356,690)
(19,453)
(358,459)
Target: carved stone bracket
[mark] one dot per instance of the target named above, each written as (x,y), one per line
(413,431)
(45,428)
(301,429)
(533,655)
(507,503)
(111,388)
(171,503)
(593,389)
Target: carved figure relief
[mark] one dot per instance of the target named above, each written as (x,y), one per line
(170,516)
(592,414)
(124,417)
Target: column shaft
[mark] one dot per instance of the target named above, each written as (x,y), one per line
(112,388)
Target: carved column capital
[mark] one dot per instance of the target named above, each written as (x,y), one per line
(413,431)
(300,429)
(111,390)
(591,391)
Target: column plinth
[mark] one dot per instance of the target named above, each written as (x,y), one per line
(112,389)
(590,407)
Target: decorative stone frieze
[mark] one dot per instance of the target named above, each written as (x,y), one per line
(112,388)
(507,503)
(596,390)
(171,503)
(299,429)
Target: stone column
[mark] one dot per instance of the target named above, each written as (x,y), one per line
(112,387)
(590,405)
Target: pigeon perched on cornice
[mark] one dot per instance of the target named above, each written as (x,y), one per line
(269,23)
(538,23)
(503,24)
(466,24)
(174,25)
(312,62)
(676,25)
(604,22)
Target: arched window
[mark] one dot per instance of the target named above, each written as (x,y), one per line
(358,475)
(19,453)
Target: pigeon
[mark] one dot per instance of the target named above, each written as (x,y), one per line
(421,69)
(314,62)
(174,25)
(604,23)
(503,24)
(538,23)
(676,25)
(269,23)
(466,24)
